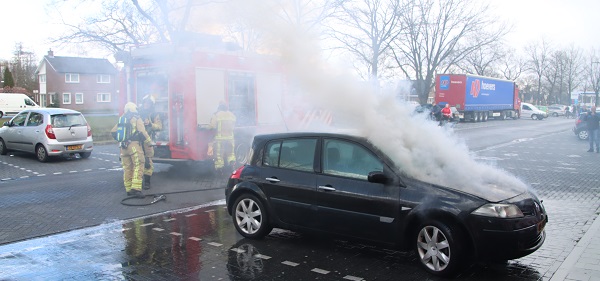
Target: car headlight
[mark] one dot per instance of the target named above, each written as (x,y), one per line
(499,211)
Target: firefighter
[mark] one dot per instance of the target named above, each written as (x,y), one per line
(223,121)
(152,124)
(132,155)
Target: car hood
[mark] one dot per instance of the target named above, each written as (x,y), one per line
(494,192)
(490,192)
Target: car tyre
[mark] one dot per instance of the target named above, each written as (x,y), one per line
(85,155)
(583,135)
(250,217)
(554,114)
(534,116)
(41,153)
(440,248)
(3,149)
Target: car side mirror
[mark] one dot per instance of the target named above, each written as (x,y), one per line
(378,177)
(7,123)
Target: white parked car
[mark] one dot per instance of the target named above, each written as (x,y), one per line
(47,132)
(530,111)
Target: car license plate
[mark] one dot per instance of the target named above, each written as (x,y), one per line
(74,147)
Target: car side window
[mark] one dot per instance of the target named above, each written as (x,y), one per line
(347,159)
(29,102)
(295,154)
(526,107)
(19,120)
(35,119)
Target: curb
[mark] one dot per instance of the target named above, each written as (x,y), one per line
(569,263)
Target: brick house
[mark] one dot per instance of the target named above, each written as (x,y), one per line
(82,84)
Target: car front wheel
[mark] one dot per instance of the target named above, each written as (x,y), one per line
(534,116)
(250,217)
(440,248)
(41,153)
(3,149)
(85,155)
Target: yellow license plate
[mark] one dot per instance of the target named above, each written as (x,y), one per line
(74,147)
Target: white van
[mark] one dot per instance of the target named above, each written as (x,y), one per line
(530,111)
(13,103)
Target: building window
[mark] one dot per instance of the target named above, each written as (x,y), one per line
(103,97)
(103,78)
(66,98)
(52,98)
(79,98)
(42,78)
(71,77)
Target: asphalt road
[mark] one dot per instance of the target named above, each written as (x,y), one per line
(41,199)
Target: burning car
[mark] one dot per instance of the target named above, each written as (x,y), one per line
(343,184)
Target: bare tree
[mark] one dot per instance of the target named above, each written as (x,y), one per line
(439,34)
(483,61)
(573,69)
(538,60)
(593,73)
(511,66)
(24,65)
(366,29)
(554,76)
(116,27)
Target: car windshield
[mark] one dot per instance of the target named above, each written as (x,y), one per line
(67,120)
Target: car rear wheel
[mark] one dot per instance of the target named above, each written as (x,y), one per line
(440,248)
(85,155)
(554,114)
(41,153)
(3,149)
(583,135)
(250,217)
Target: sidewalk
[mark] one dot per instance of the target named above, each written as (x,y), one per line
(583,263)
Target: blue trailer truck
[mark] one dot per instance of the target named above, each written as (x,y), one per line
(478,98)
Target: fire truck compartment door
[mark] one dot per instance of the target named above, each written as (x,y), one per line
(269,97)
(210,89)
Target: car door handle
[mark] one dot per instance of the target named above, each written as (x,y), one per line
(273,179)
(326,188)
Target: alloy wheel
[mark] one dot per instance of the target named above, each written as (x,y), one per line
(433,248)
(248,216)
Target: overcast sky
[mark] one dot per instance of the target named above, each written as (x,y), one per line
(561,21)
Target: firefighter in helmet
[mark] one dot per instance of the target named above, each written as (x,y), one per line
(223,121)
(152,124)
(132,155)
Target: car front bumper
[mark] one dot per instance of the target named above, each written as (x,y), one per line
(495,240)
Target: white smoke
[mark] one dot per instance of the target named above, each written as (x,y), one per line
(418,146)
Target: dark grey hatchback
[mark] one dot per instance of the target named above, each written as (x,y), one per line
(344,185)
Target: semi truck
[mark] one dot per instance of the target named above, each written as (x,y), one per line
(478,98)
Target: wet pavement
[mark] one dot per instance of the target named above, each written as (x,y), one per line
(200,243)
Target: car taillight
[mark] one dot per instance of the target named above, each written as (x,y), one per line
(237,173)
(50,132)
(578,121)
(89,130)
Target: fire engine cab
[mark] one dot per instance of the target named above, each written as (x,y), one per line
(189,81)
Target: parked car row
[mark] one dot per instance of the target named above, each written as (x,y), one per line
(47,132)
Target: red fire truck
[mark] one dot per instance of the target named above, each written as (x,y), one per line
(188,82)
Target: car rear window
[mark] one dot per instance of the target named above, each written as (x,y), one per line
(67,120)
(295,154)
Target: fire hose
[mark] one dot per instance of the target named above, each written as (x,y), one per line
(157,197)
